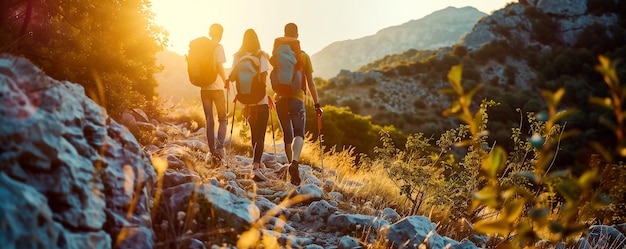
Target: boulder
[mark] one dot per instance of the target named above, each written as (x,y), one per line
(412,231)
(346,223)
(601,236)
(228,209)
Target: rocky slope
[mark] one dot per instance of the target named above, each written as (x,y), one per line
(439,29)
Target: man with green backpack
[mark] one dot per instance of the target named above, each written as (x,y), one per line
(291,75)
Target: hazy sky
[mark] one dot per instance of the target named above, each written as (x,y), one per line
(320,22)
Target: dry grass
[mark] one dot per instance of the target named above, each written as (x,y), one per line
(366,189)
(185,111)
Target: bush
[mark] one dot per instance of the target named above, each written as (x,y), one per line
(510,72)
(344,129)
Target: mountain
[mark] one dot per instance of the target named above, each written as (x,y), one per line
(439,29)
(515,54)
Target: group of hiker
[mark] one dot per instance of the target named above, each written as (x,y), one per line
(291,74)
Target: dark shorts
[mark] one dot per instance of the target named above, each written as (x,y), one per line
(292,117)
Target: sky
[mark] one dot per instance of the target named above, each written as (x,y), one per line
(320,22)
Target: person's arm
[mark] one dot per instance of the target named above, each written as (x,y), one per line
(221,58)
(221,72)
(264,67)
(312,88)
(230,76)
(311,84)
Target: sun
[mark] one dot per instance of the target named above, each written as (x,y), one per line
(186,19)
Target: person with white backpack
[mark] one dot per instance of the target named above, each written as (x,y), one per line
(249,73)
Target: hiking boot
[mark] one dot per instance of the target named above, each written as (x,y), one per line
(257,173)
(257,176)
(216,160)
(294,172)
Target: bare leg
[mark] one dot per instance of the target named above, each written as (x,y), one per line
(288,152)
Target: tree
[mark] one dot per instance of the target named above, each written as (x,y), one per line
(510,73)
(344,129)
(108,47)
(460,51)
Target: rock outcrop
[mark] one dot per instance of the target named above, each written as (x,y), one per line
(570,18)
(70,176)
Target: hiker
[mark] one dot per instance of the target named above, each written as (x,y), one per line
(250,66)
(214,94)
(290,101)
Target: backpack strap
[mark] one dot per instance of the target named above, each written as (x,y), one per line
(258,55)
(257,62)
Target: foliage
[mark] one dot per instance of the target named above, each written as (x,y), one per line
(413,170)
(391,61)
(496,50)
(522,192)
(510,72)
(460,51)
(543,26)
(520,195)
(108,47)
(345,129)
(613,104)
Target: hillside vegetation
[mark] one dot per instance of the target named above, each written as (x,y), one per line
(513,68)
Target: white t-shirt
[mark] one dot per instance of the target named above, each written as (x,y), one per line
(219,58)
(264,67)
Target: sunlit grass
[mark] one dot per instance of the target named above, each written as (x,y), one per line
(363,188)
(185,111)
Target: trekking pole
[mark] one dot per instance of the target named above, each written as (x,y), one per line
(232,126)
(227,86)
(320,137)
(272,107)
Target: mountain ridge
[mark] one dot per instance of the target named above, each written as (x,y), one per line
(440,28)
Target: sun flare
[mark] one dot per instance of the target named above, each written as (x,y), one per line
(189,19)
(321,22)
